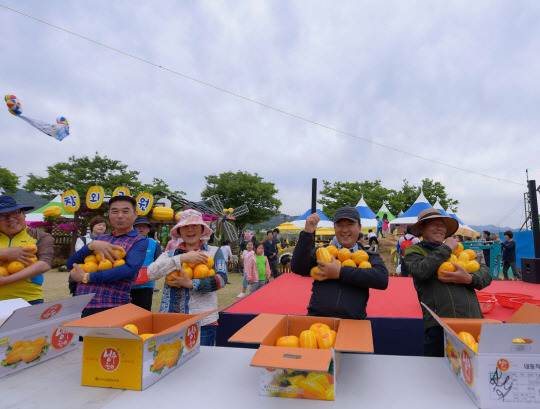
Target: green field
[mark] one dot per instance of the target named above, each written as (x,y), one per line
(56,284)
(55,287)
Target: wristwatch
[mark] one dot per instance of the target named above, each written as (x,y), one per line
(85,278)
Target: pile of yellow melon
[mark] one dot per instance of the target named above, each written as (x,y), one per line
(194,271)
(133,328)
(318,336)
(344,258)
(94,262)
(12,267)
(463,258)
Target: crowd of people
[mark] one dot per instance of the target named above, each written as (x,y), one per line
(139,260)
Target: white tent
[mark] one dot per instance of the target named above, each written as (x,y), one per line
(411,215)
(463,229)
(37,214)
(439,207)
(366,214)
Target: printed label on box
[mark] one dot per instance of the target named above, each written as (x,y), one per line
(168,352)
(297,384)
(515,380)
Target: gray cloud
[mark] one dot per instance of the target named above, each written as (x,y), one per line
(455,82)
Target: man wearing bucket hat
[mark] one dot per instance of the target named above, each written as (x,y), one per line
(452,295)
(143,289)
(189,295)
(341,291)
(17,244)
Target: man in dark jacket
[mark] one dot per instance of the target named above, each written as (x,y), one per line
(509,254)
(341,292)
(271,253)
(451,295)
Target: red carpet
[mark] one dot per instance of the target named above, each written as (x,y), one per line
(290,294)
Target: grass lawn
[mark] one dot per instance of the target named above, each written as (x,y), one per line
(55,287)
(56,283)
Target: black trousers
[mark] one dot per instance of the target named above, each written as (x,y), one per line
(142,297)
(434,341)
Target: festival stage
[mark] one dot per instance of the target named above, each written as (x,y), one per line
(395,313)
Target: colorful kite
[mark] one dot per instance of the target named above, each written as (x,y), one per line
(58,131)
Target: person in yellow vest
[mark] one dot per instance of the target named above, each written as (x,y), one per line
(21,267)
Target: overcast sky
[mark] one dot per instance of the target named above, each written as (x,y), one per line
(454,82)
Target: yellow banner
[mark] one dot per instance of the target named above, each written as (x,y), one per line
(71,202)
(121,191)
(145,201)
(94,197)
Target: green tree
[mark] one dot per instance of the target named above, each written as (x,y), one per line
(158,185)
(236,189)
(9,181)
(433,190)
(339,194)
(81,173)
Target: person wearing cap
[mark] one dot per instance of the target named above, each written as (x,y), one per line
(341,292)
(452,296)
(111,287)
(187,295)
(17,243)
(143,289)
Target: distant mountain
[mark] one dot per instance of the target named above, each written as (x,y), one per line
(271,223)
(31,199)
(492,228)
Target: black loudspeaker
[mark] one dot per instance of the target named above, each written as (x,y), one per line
(530,270)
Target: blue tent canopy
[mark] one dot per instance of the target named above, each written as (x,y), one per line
(325,221)
(308,212)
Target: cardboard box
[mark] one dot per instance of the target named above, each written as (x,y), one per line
(30,334)
(114,357)
(503,373)
(301,372)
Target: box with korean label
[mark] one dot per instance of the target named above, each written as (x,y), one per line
(117,357)
(503,369)
(30,334)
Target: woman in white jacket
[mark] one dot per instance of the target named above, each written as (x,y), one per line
(182,294)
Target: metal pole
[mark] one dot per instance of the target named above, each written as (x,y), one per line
(313,195)
(534,217)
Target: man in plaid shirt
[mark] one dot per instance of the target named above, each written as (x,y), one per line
(111,287)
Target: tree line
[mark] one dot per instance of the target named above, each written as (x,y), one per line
(233,188)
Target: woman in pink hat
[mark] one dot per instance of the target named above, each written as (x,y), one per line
(185,295)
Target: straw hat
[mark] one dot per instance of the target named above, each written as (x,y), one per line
(451,224)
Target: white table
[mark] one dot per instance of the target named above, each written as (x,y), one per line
(222,378)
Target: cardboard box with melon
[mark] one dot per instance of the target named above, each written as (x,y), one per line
(503,369)
(30,334)
(290,364)
(129,347)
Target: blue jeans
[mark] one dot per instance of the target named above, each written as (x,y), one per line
(245,283)
(380,230)
(208,335)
